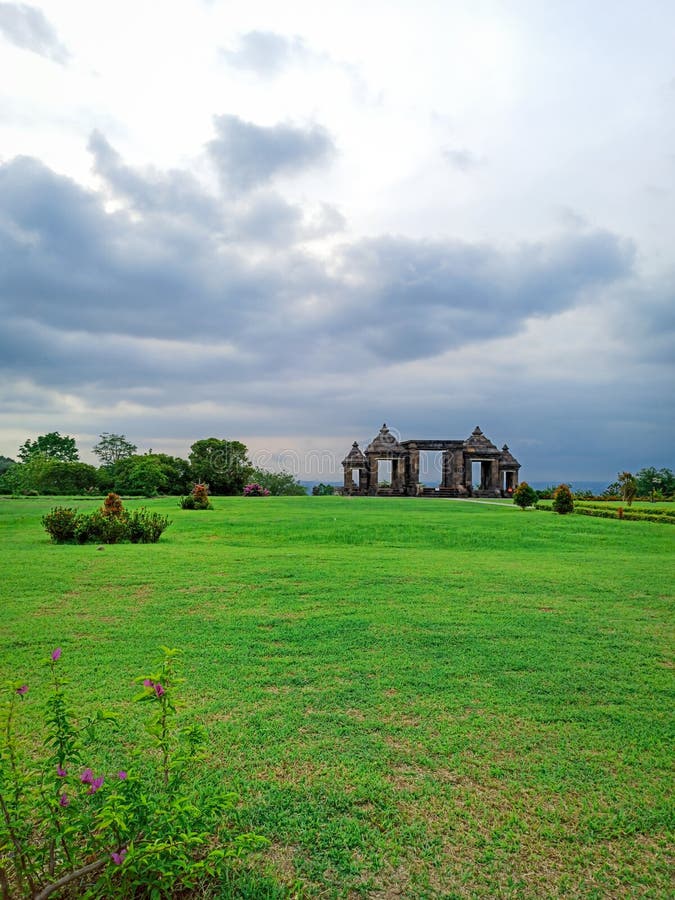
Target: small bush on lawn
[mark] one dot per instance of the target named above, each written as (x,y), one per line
(524,495)
(198,499)
(255,490)
(562,500)
(111,524)
(143,829)
(61,524)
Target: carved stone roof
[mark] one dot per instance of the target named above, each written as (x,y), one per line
(355,458)
(508,459)
(478,443)
(386,444)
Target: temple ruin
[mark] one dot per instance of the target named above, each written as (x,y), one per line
(498,468)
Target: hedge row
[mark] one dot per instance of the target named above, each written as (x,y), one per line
(633,515)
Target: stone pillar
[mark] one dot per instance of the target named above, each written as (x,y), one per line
(414,476)
(372,474)
(494,477)
(348,480)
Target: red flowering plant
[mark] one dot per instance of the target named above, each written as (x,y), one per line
(255,490)
(143,829)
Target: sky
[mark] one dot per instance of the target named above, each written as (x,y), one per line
(288,223)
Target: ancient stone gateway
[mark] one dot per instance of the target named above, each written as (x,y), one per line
(498,468)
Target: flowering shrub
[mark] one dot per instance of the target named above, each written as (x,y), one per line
(524,495)
(255,490)
(563,502)
(111,524)
(139,830)
(198,499)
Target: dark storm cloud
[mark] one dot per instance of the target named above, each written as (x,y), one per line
(265,53)
(425,297)
(27,27)
(184,296)
(248,155)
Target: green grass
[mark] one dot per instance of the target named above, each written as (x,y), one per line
(413,698)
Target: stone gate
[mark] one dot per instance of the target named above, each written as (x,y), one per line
(498,468)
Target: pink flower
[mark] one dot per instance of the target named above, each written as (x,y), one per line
(118,858)
(87,777)
(147,682)
(122,775)
(159,690)
(60,771)
(56,654)
(95,785)
(22,690)
(63,800)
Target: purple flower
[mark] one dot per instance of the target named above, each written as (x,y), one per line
(148,683)
(95,785)
(122,775)
(56,654)
(159,690)
(60,771)
(63,800)
(22,690)
(118,858)
(87,777)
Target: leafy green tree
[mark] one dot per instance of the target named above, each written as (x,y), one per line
(563,502)
(323,490)
(279,484)
(223,465)
(628,487)
(5,463)
(50,476)
(651,480)
(52,445)
(111,448)
(148,474)
(524,495)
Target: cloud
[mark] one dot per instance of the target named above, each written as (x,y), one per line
(28,28)
(463,160)
(248,155)
(265,53)
(186,306)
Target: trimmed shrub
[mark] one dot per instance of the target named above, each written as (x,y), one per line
(111,524)
(198,499)
(562,500)
(255,490)
(144,527)
(112,505)
(61,524)
(524,495)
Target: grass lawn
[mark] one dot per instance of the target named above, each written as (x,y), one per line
(412,698)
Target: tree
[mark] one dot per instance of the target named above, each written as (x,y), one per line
(651,480)
(627,486)
(323,490)
(524,495)
(562,500)
(223,465)
(150,473)
(279,484)
(111,448)
(5,463)
(52,445)
(50,476)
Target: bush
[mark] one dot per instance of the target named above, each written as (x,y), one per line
(323,490)
(198,499)
(144,527)
(255,490)
(61,524)
(111,524)
(144,828)
(112,505)
(524,495)
(562,500)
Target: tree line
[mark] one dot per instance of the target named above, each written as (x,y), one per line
(51,464)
